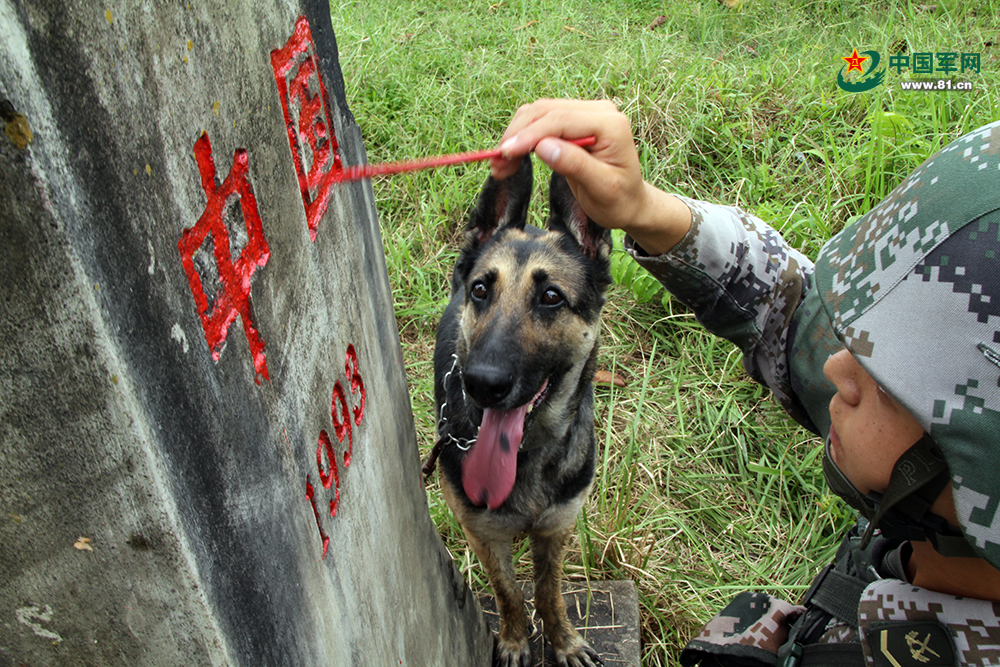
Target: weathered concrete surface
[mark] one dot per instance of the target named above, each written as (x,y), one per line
(606,613)
(187,476)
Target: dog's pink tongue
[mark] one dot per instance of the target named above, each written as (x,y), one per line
(489,469)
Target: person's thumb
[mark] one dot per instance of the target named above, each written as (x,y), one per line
(566,158)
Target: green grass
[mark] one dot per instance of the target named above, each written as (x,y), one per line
(704,487)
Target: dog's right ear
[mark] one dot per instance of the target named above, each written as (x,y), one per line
(568,217)
(501,204)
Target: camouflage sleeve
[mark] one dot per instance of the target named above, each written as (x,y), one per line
(744,283)
(900,623)
(749,631)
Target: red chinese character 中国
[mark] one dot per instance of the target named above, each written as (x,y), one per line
(307,118)
(232,296)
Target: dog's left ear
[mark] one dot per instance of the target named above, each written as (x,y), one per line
(566,215)
(501,204)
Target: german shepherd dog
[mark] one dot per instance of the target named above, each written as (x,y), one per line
(514,364)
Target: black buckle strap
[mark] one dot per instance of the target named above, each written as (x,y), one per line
(814,586)
(840,595)
(837,594)
(849,654)
(917,478)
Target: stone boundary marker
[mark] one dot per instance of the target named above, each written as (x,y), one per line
(208,455)
(606,613)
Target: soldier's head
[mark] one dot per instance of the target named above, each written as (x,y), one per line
(876,429)
(912,289)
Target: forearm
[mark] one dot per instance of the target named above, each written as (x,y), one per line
(742,281)
(660,224)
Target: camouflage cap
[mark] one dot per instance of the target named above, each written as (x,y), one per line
(913,290)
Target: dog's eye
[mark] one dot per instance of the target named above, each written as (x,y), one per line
(552,297)
(479,290)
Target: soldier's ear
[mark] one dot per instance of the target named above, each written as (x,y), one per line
(567,216)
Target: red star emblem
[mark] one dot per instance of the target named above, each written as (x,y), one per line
(854,62)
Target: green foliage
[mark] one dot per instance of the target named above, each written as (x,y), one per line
(704,488)
(626,272)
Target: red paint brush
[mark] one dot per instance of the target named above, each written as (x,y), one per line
(369,170)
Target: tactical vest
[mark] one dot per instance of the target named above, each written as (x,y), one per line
(859,612)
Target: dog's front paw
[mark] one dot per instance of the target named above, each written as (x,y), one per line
(578,654)
(508,654)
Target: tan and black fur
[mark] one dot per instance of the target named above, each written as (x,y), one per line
(525,311)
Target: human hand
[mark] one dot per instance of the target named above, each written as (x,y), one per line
(605,178)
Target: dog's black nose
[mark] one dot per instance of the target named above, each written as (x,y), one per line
(488,385)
